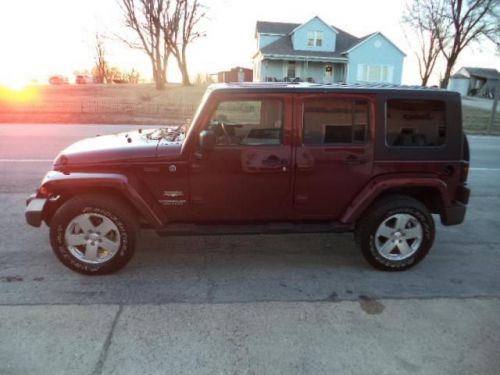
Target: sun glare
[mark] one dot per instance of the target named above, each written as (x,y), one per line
(18,92)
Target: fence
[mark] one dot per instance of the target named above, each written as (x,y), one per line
(170,109)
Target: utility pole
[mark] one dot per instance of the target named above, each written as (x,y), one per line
(494,109)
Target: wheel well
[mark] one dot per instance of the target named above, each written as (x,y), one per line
(429,196)
(65,195)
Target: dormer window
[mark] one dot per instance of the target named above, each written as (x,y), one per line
(314,38)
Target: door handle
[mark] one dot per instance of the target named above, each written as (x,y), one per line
(353,159)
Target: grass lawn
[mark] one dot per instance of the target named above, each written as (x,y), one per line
(105,104)
(476,121)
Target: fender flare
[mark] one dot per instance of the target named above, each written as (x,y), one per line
(379,185)
(138,196)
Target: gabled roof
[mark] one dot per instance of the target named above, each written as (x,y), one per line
(281,28)
(283,46)
(481,72)
(370,36)
(320,20)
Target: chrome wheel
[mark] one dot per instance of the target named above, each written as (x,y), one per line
(398,237)
(92,238)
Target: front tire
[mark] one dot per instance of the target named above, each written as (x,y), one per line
(94,234)
(396,233)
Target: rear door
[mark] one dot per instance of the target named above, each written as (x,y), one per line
(334,152)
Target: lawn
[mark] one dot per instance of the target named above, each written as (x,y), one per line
(105,104)
(476,120)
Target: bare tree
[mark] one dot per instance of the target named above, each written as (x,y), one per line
(421,16)
(468,21)
(101,65)
(146,18)
(181,29)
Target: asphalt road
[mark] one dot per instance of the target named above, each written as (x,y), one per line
(223,285)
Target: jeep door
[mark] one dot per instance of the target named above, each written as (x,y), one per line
(334,153)
(246,177)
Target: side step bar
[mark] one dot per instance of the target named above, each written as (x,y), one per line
(266,228)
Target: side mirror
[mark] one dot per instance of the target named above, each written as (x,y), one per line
(207,140)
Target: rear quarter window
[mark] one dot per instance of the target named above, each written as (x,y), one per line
(415,123)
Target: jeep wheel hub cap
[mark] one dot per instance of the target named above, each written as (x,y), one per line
(92,238)
(398,237)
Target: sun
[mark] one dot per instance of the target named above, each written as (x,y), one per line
(18,91)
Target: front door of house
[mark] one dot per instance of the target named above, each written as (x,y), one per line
(247,177)
(334,155)
(328,76)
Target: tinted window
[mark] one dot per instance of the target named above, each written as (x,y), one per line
(248,122)
(415,123)
(333,121)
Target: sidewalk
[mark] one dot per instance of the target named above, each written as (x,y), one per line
(437,336)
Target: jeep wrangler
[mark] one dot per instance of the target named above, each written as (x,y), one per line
(377,160)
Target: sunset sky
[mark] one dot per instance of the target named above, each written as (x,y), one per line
(43,38)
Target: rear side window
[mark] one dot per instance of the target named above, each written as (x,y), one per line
(335,121)
(415,123)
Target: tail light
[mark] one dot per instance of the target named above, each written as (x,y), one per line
(465,172)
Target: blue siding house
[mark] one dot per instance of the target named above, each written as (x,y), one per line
(317,52)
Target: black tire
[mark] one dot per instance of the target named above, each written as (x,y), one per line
(381,211)
(106,206)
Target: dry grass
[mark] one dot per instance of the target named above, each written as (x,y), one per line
(112,104)
(476,121)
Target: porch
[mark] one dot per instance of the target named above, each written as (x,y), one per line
(302,71)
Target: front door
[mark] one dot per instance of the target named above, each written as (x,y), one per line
(247,176)
(334,156)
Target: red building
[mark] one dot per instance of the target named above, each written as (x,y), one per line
(237,74)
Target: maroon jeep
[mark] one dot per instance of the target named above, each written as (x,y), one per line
(267,158)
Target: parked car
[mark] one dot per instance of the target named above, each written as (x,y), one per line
(82,79)
(58,80)
(267,158)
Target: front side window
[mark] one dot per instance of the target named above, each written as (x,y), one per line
(248,122)
(335,121)
(415,123)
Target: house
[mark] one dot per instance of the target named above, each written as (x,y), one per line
(475,82)
(236,74)
(317,52)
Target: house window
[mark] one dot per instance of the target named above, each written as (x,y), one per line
(335,121)
(375,73)
(415,123)
(291,71)
(314,38)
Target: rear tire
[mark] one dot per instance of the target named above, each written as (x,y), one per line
(94,234)
(396,233)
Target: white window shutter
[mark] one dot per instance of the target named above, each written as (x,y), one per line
(360,72)
(390,74)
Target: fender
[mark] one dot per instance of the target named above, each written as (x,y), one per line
(138,196)
(382,183)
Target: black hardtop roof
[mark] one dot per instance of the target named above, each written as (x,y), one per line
(336,87)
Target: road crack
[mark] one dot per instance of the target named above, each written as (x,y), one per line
(107,343)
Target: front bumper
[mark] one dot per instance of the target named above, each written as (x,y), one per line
(34,210)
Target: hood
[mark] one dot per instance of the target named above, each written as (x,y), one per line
(116,148)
